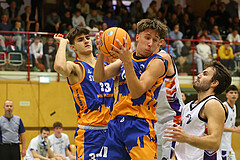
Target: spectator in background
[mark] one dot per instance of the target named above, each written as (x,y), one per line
(36,51)
(226,56)
(223,17)
(132,33)
(5,26)
(234,37)
(199,24)
(36,8)
(168,48)
(93,31)
(66,20)
(187,28)
(49,53)
(211,12)
(215,34)
(104,26)
(60,142)
(108,7)
(190,13)
(78,19)
(31,24)
(66,5)
(110,20)
(18,27)
(204,50)
(211,23)
(165,9)
(39,147)
(12,133)
(176,34)
(186,56)
(236,23)
(179,12)
(99,6)
(136,11)
(173,21)
(84,7)
(183,97)
(13,12)
(53,22)
(152,9)
(93,15)
(232,8)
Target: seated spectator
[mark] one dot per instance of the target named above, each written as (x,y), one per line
(211,12)
(60,143)
(39,147)
(30,22)
(226,56)
(110,20)
(49,53)
(234,37)
(53,22)
(18,27)
(186,56)
(215,34)
(93,31)
(104,26)
(204,50)
(173,21)
(8,38)
(136,11)
(133,32)
(93,15)
(66,20)
(13,12)
(78,19)
(152,9)
(176,34)
(84,7)
(187,28)
(211,23)
(223,17)
(36,51)
(199,24)
(168,48)
(66,5)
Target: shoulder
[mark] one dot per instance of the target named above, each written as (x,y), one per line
(214,106)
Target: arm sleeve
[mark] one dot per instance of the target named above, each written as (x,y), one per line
(21,127)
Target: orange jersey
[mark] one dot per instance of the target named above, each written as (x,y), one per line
(93,101)
(144,106)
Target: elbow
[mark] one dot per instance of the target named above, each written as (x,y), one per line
(215,146)
(58,67)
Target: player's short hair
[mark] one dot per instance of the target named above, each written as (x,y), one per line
(156,25)
(222,75)
(44,129)
(231,88)
(77,31)
(57,124)
(8,100)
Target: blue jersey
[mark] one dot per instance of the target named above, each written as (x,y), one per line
(144,106)
(93,101)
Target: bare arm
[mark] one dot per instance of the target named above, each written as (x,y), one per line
(102,72)
(22,137)
(136,86)
(36,155)
(214,113)
(61,65)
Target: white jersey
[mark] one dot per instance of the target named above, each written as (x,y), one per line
(193,125)
(37,144)
(169,99)
(59,144)
(230,123)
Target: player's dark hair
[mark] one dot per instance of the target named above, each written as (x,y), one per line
(44,129)
(221,75)
(231,88)
(77,31)
(156,25)
(57,124)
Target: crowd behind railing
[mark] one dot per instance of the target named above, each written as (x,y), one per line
(191,39)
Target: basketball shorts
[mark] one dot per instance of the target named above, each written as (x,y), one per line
(164,148)
(227,155)
(89,143)
(210,155)
(130,138)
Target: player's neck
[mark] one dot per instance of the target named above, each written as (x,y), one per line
(231,103)
(89,58)
(202,95)
(58,135)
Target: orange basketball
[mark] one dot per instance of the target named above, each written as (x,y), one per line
(109,37)
(40,66)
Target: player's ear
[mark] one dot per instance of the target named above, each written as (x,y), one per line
(137,37)
(72,47)
(215,83)
(161,42)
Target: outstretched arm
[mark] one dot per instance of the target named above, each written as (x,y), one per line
(214,113)
(61,65)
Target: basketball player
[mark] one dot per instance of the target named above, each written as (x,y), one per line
(131,131)
(207,110)
(225,149)
(93,101)
(169,108)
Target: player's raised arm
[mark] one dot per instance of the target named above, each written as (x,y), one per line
(61,65)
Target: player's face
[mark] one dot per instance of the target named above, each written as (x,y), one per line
(44,134)
(232,95)
(58,130)
(147,42)
(82,44)
(203,81)
(8,108)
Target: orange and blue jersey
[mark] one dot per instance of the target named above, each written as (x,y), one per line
(144,106)
(93,101)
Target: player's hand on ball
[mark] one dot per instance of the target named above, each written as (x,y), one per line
(60,37)
(123,52)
